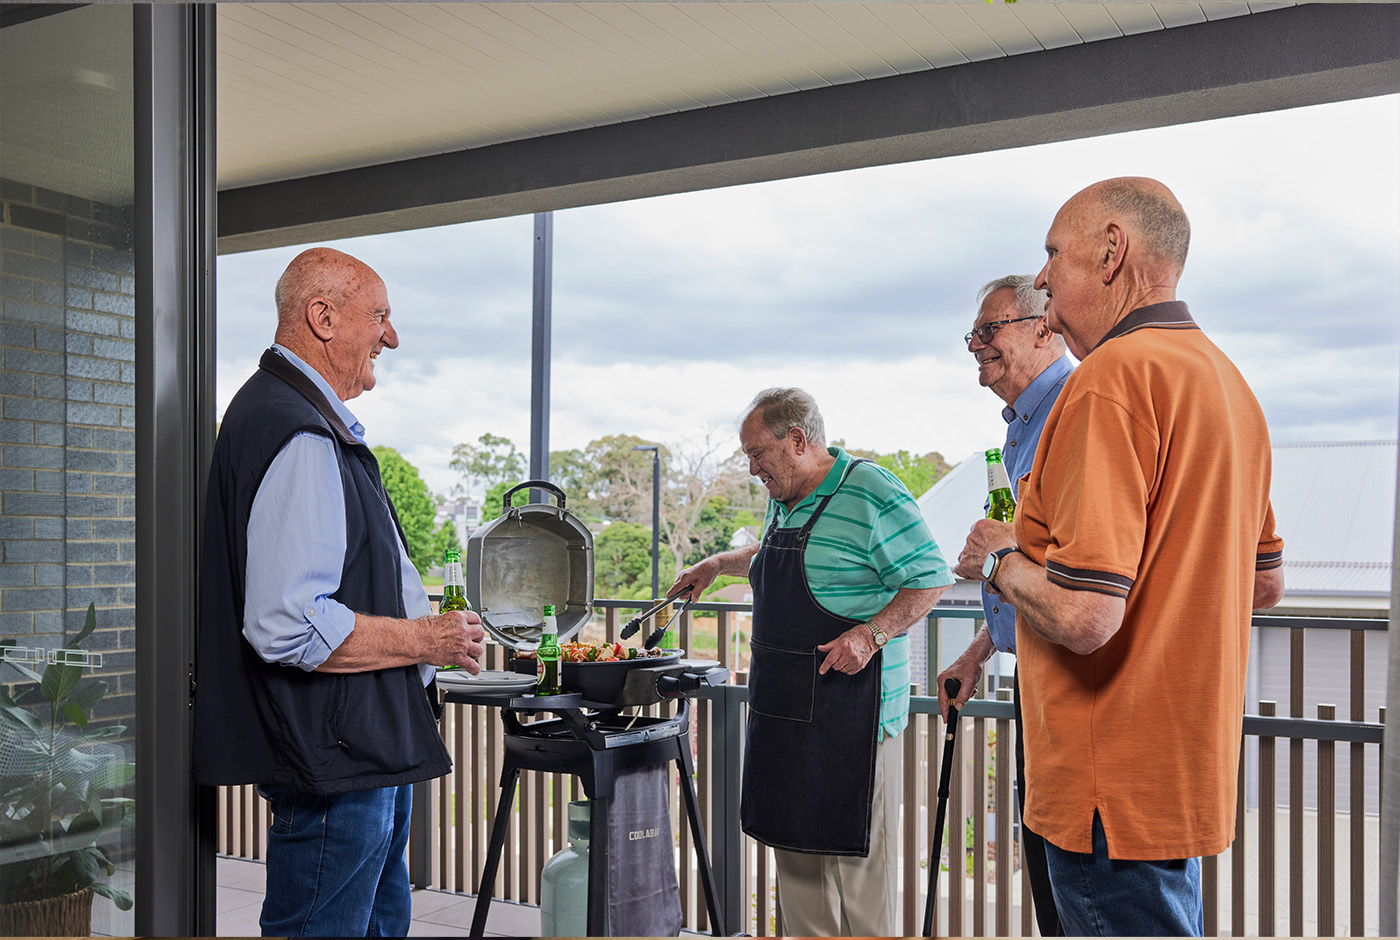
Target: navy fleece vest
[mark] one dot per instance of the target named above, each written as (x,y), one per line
(260,722)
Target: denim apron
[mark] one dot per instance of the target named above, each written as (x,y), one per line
(809,756)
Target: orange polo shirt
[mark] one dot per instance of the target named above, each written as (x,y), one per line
(1151,482)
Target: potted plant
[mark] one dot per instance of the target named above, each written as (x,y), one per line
(59,793)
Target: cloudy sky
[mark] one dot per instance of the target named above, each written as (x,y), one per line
(669,313)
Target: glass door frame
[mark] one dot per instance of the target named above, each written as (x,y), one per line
(175,238)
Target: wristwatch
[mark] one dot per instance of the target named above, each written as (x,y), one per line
(881,637)
(989,567)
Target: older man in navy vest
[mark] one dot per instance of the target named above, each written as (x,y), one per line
(317,645)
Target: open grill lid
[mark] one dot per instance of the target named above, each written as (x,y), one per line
(528,557)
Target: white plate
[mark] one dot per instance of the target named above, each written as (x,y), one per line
(490,680)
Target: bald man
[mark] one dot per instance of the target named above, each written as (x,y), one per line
(1144,536)
(317,644)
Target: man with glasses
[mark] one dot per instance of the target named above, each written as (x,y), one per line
(1025,364)
(1144,537)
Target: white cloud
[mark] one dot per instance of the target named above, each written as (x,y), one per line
(669,313)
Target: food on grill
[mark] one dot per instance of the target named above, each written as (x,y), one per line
(599,653)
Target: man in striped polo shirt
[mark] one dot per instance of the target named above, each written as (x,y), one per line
(845,566)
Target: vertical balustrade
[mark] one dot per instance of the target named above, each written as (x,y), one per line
(1005,771)
(1326,829)
(1268,816)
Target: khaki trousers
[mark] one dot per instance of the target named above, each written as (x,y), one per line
(845,896)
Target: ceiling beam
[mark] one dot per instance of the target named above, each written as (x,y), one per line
(1286,58)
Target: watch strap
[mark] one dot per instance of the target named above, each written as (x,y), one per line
(1000,554)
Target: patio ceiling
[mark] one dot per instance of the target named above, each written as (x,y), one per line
(310,88)
(344,119)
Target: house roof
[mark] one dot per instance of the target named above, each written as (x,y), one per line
(1334,504)
(1335,508)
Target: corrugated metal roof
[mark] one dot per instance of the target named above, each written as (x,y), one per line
(1334,503)
(954,503)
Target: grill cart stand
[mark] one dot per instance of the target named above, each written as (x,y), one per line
(593,746)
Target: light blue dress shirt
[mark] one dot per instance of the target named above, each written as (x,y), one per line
(1024,422)
(296,550)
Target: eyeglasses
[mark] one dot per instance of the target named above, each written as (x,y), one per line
(986,331)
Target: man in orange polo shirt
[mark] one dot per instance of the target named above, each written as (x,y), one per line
(1144,536)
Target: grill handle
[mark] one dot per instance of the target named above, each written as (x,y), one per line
(531,485)
(686,682)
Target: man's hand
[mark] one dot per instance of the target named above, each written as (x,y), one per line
(698,577)
(849,652)
(967,669)
(702,574)
(986,536)
(455,638)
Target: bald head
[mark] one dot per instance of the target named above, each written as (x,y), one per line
(1150,211)
(317,272)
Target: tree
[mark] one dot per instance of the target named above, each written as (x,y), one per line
(916,473)
(443,539)
(413,503)
(693,476)
(494,503)
(491,460)
(622,563)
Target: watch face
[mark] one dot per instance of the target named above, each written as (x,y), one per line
(989,566)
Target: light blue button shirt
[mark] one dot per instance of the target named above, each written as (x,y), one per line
(296,550)
(1024,422)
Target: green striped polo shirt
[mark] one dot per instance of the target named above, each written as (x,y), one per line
(870,542)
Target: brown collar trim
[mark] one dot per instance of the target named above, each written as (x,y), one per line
(1168,315)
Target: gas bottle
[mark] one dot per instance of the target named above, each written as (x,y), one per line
(564,881)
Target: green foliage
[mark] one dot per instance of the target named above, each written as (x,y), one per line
(495,496)
(622,563)
(413,502)
(59,793)
(916,473)
(488,463)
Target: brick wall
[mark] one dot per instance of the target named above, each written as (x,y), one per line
(67,419)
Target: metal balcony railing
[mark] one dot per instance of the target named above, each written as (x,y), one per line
(1294,869)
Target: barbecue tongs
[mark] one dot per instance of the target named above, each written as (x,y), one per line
(635,623)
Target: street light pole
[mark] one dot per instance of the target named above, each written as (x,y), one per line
(655,515)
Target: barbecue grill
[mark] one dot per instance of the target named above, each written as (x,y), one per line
(536,555)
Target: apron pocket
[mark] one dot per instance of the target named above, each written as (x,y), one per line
(782,682)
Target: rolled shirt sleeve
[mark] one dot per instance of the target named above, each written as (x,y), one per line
(296,552)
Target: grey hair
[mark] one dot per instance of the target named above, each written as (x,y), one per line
(1162,221)
(1029,301)
(785,408)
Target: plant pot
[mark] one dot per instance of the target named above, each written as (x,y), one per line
(69,915)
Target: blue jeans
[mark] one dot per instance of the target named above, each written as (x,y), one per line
(337,865)
(1102,897)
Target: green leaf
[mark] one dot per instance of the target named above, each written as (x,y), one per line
(118,896)
(86,868)
(88,695)
(73,713)
(59,680)
(84,822)
(89,625)
(25,671)
(20,718)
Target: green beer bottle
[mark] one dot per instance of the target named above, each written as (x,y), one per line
(547,672)
(1001,504)
(454,586)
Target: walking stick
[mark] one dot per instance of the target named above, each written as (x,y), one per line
(952,686)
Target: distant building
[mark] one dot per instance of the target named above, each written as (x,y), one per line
(465,516)
(744,537)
